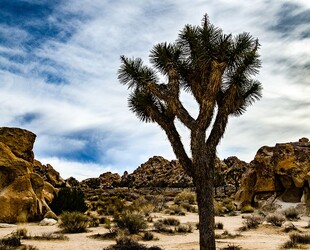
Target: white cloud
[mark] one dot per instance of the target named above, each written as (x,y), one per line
(93,100)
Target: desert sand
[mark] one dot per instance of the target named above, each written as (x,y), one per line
(264,237)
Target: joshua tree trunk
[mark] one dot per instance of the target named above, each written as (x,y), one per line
(204,190)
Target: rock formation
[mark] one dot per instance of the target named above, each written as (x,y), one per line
(105,180)
(281,171)
(157,172)
(49,174)
(24,195)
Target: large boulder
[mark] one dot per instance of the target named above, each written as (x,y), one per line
(20,142)
(283,170)
(24,195)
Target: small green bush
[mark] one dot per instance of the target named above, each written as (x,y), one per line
(275,219)
(132,221)
(73,222)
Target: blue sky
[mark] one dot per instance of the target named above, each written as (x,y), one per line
(58,73)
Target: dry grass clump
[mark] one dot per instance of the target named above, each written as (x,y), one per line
(296,239)
(185,197)
(219,225)
(170,221)
(251,222)
(275,219)
(231,247)
(226,235)
(127,243)
(291,213)
(184,228)
(73,222)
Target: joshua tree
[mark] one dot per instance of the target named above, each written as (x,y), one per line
(216,69)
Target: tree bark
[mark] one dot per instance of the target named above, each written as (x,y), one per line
(204,190)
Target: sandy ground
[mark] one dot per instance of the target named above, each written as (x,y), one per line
(265,237)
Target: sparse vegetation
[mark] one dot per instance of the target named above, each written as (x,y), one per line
(219,225)
(291,213)
(131,221)
(184,228)
(170,221)
(127,243)
(251,222)
(275,219)
(231,247)
(73,222)
(296,239)
(147,236)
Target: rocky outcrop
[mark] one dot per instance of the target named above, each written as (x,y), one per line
(157,172)
(283,170)
(49,174)
(105,180)
(24,195)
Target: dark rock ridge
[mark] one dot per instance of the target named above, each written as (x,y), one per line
(282,171)
(105,180)
(24,195)
(157,172)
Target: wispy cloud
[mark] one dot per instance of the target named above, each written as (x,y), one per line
(58,71)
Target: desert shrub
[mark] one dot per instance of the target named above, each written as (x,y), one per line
(184,228)
(219,208)
(48,236)
(275,219)
(251,222)
(73,222)
(126,243)
(247,209)
(189,208)
(300,238)
(296,239)
(219,225)
(231,247)
(170,221)
(185,197)
(10,241)
(226,235)
(106,236)
(69,199)
(132,221)
(147,236)
(175,210)
(21,233)
(291,213)
(110,205)
(162,228)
